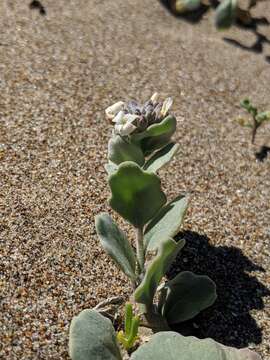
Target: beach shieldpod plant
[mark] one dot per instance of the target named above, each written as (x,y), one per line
(140,146)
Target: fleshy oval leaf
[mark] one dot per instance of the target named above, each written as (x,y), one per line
(161,158)
(136,194)
(170,345)
(92,337)
(158,135)
(166,223)
(186,296)
(155,136)
(116,244)
(120,150)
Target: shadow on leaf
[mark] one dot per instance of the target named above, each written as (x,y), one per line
(229,320)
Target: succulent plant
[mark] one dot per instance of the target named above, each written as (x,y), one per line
(140,146)
(135,157)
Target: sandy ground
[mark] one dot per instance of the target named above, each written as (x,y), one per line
(57,74)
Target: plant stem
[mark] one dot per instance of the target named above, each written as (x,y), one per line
(140,249)
(154,320)
(254,129)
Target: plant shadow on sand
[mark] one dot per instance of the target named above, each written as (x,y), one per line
(262,154)
(228,321)
(251,25)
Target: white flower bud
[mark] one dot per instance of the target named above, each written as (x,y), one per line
(167,104)
(125,129)
(112,110)
(154,98)
(119,118)
(123,123)
(131,117)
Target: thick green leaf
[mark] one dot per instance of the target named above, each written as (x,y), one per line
(120,150)
(167,252)
(166,224)
(158,135)
(167,125)
(155,136)
(183,6)
(136,194)
(225,14)
(116,244)
(110,168)
(161,158)
(169,345)
(92,337)
(186,296)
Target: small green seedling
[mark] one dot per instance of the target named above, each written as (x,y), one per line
(258,118)
(130,334)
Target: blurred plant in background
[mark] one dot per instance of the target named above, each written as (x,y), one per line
(257,118)
(227,12)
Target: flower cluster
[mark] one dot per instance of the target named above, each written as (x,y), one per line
(132,117)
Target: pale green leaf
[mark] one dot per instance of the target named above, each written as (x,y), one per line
(169,345)
(155,136)
(161,158)
(92,337)
(166,223)
(110,168)
(186,296)
(116,244)
(120,150)
(136,194)
(158,267)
